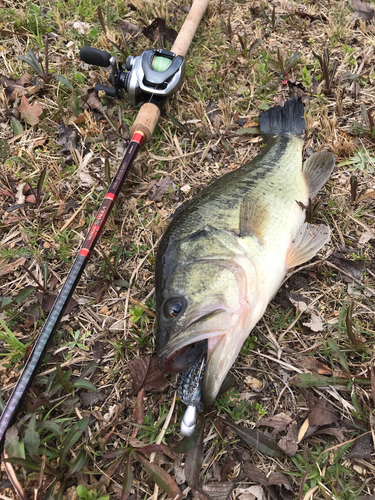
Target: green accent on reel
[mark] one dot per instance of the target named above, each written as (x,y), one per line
(161,63)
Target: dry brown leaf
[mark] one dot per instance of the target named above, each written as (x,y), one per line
(337,432)
(362,10)
(138,412)
(303,429)
(366,196)
(314,366)
(253,473)
(146,373)
(92,100)
(366,237)
(278,422)
(251,493)
(30,113)
(165,185)
(6,268)
(315,324)
(289,443)
(25,79)
(322,413)
(82,27)
(362,448)
(218,491)
(127,28)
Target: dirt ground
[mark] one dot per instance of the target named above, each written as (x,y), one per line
(299,417)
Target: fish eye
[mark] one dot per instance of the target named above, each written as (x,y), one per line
(173,307)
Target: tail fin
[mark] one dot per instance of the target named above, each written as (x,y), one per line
(288,119)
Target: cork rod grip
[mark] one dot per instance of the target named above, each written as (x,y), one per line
(149,113)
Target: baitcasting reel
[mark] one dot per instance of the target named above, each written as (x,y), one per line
(156,74)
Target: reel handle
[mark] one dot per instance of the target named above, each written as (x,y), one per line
(108,90)
(96,57)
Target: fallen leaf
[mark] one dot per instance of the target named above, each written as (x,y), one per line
(254,384)
(82,27)
(278,422)
(146,373)
(139,411)
(362,448)
(315,324)
(30,113)
(366,237)
(250,493)
(91,398)
(185,188)
(25,79)
(301,303)
(194,457)
(303,429)
(260,441)
(14,91)
(20,197)
(158,29)
(127,28)
(16,126)
(92,99)
(367,195)
(362,10)
(322,413)
(12,266)
(165,185)
(67,138)
(337,432)
(354,267)
(46,301)
(313,365)
(279,486)
(218,491)
(289,443)
(161,477)
(253,473)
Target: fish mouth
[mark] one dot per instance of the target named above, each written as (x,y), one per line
(206,330)
(222,334)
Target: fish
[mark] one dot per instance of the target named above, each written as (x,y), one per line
(227,250)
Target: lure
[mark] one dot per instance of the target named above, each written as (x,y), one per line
(189,390)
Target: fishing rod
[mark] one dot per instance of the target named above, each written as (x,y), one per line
(152,77)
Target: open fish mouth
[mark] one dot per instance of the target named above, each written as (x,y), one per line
(207,330)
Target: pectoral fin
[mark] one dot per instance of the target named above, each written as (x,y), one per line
(317,169)
(254,217)
(308,241)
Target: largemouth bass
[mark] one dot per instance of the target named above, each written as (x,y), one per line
(226,251)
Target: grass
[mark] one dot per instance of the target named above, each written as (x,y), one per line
(79,430)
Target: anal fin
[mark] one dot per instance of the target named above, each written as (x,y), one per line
(254,217)
(308,241)
(316,171)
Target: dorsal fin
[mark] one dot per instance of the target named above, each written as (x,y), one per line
(254,217)
(317,169)
(308,241)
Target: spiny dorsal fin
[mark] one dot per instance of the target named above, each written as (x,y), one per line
(317,169)
(254,217)
(308,241)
